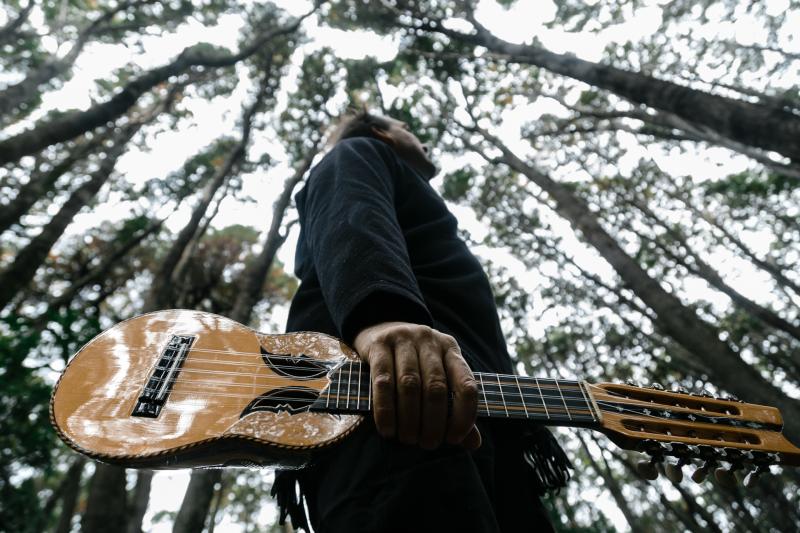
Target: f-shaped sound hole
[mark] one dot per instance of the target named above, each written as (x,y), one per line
(292,399)
(294,366)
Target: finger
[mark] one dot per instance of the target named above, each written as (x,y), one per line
(434,396)
(381,371)
(406,364)
(465,396)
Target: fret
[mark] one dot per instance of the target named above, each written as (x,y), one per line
(586,399)
(544,404)
(338,386)
(502,397)
(522,397)
(562,399)
(483,389)
(349,379)
(358,399)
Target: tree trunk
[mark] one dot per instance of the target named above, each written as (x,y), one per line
(672,317)
(252,279)
(42,182)
(8,31)
(219,496)
(69,496)
(97,273)
(106,506)
(25,91)
(141,496)
(196,502)
(702,269)
(20,272)
(161,293)
(73,124)
(613,487)
(750,124)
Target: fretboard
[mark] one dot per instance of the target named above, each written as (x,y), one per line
(547,400)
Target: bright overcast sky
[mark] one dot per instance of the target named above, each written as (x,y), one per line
(170,149)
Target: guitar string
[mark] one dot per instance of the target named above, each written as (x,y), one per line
(524,396)
(496,405)
(358,401)
(554,382)
(573,387)
(295,358)
(555,399)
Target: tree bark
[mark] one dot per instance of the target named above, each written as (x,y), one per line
(141,497)
(69,497)
(21,271)
(252,279)
(750,124)
(106,506)
(42,182)
(73,124)
(672,317)
(196,502)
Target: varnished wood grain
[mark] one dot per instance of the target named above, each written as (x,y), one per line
(221,375)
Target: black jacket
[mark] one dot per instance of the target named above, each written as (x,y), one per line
(377,243)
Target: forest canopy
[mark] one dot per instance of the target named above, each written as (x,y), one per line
(627,172)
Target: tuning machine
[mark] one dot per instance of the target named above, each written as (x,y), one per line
(752,477)
(647,468)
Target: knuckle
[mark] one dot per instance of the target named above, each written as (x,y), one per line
(469,390)
(382,382)
(436,389)
(409,381)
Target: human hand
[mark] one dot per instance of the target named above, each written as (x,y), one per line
(412,368)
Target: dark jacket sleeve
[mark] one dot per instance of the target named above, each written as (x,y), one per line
(355,240)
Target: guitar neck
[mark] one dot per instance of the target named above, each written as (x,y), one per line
(548,401)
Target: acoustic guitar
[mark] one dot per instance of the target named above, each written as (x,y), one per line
(178,388)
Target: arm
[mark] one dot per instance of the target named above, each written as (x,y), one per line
(365,274)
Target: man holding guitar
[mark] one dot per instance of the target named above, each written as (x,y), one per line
(382,267)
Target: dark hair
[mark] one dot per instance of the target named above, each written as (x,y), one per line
(358,123)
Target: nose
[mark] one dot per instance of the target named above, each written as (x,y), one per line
(425,147)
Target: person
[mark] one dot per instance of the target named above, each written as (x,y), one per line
(381,266)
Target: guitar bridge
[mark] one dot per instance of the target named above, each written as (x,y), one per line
(156,391)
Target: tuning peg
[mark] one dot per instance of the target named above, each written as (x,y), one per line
(725,476)
(732,398)
(752,477)
(701,472)
(705,393)
(674,471)
(632,383)
(656,386)
(682,390)
(647,469)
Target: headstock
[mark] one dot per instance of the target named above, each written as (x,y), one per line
(677,427)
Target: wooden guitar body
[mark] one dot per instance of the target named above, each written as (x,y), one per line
(176,389)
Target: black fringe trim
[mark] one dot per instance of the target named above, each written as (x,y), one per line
(548,463)
(286,490)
